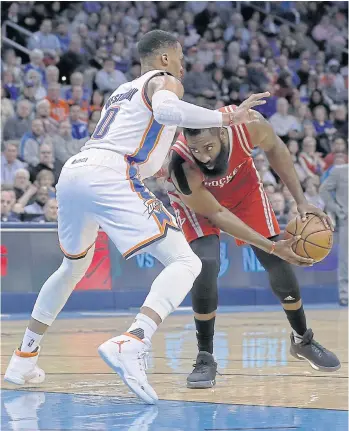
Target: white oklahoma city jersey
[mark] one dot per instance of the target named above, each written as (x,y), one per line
(127,126)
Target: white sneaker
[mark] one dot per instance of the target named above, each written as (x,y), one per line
(23,369)
(126,355)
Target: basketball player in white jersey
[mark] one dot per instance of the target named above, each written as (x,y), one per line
(103,187)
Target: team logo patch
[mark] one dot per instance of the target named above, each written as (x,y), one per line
(153,206)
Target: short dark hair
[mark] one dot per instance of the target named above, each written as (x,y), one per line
(153,41)
(191,132)
(196,132)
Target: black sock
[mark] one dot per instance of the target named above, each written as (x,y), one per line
(297,320)
(204,334)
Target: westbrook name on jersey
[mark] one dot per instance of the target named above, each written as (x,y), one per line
(127,126)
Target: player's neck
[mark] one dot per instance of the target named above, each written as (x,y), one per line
(148,68)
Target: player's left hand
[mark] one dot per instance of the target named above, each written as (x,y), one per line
(307,208)
(244,113)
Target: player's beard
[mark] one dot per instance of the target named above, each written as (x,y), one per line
(220,164)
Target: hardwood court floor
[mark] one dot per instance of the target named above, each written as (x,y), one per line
(251,350)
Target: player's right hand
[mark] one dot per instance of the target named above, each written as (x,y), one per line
(283,249)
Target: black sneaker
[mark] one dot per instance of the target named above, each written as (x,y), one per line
(318,357)
(204,373)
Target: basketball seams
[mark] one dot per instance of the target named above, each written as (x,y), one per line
(303,247)
(306,243)
(317,245)
(306,224)
(316,231)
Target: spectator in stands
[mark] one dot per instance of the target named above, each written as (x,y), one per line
(281,121)
(263,169)
(317,99)
(72,60)
(292,212)
(341,120)
(77,79)
(50,212)
(9,85)
(44,39)
(7,215)
(41,196)
(88,45)
(10,64)
(59,107)
(269,188)
(321,123)
(334,191)
(324,31)
(79,127)
(293,148)
(28,92)
(46,161)
(97,62)
(339,159)
(134,72)
(338,146)
(33,79)
(310,160)
(312,193)
(31,142)
(197,82)
(97,101)
(51,75)
(62,33)
(108,79)
(21,182)
(334,84)
(64,144)
(45,178)
(16,126)
(36,63)
(278,204)
(43,111)
(10,163)
(77,99)
(7,109)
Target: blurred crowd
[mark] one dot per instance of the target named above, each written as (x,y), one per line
(79,52)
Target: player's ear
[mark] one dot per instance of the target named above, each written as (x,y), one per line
(164,59)
(222,135)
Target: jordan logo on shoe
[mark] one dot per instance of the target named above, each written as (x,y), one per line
(120,343)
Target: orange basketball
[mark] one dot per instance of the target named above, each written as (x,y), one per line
(316,239)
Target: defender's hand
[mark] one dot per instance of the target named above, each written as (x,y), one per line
(244,113)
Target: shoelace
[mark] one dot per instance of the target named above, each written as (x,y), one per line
(201,366)
(308,338)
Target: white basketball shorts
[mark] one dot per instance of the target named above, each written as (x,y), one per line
(98,188)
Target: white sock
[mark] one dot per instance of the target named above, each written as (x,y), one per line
(31,341)
(297,338)
(143,327)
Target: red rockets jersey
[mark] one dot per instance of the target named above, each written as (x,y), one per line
(240,190)
(241,177)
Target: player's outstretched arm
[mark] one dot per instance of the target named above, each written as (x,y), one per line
(263,135)
(165,93)
(201,201)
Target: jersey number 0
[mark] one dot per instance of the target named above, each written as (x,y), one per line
(104,124)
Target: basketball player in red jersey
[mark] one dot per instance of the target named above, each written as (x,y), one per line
(215,179)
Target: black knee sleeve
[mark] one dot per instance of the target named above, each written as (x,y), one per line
(204,293)
(282,278)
